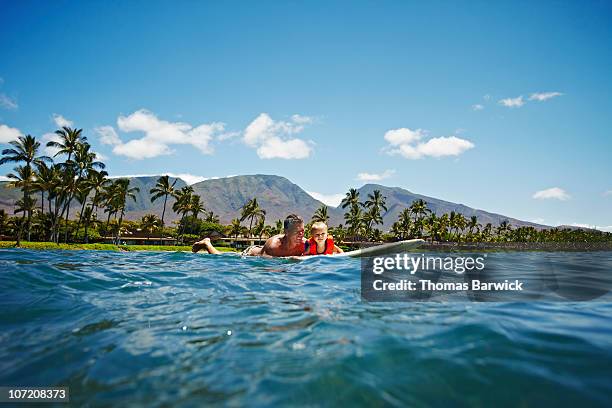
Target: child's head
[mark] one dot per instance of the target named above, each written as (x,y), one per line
(318,231)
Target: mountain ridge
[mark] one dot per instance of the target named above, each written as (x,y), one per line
(278,196)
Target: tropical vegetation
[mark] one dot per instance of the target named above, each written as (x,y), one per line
(69,198)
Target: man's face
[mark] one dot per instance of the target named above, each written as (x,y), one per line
(296,234)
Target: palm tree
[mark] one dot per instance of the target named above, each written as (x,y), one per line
(211,217)
(23,178)
(196,207)
(267,231)
(473,224)
(149,223)
(24,205)
(235,228)
(109,198)
(73,143)
(457,222)
(89,218)
(70,139)
(419,210)
(376,200)
(84,162)
(321,215)
(43,181)
(375,203)
(278,227)
(432,225)
(354,219)
(25,149)
(504,228)
(182,205)
(97,181)
(251,210)
(372,217)
(81,194)
(486,232)
(163,188)
(123,192)
(4,219)
(338,233)
(444,224)
(351,199)
(260,227)
(56,193)
(402,228)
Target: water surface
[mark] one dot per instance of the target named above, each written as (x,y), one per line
(152,329)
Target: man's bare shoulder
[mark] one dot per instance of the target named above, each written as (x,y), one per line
(273,245)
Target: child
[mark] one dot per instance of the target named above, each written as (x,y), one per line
(320,243)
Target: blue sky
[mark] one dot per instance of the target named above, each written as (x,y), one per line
(502,106)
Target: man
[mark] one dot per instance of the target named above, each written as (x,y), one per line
(291,243)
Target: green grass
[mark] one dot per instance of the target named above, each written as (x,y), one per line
(100,247)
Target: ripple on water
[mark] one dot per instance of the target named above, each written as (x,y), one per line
(152,328)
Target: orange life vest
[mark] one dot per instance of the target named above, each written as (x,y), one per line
(311,247)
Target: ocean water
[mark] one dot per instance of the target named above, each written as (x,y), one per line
(159,329)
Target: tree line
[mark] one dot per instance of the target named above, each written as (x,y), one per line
(51,185)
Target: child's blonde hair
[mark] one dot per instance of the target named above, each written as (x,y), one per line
(319,225)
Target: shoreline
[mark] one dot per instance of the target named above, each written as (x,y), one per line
(518,246)
(436,246)
(43,246)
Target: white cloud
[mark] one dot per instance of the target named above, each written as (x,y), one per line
(332,200)
(301,119)
(186,177)
(555,193)
(50,137)
(405,142)
(228,135)
(4,178)
(142,149)
(375,177)
(401,136)
(108,136)
(543,96)
(62,121)
(8,102)
(190,178)
(512,102)
(275,147)
(270,137)
(8,134)
(477,107)
(444,146)
(607,193)
(486,97)
(159,135)
(100,156)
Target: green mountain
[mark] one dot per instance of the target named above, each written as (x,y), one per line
(277,196)
(398,199)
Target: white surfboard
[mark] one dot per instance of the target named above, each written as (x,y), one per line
(382,249)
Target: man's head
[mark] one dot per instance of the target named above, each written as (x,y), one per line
(294,228)
(318,231)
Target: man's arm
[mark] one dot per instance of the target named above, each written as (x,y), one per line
(337,249)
